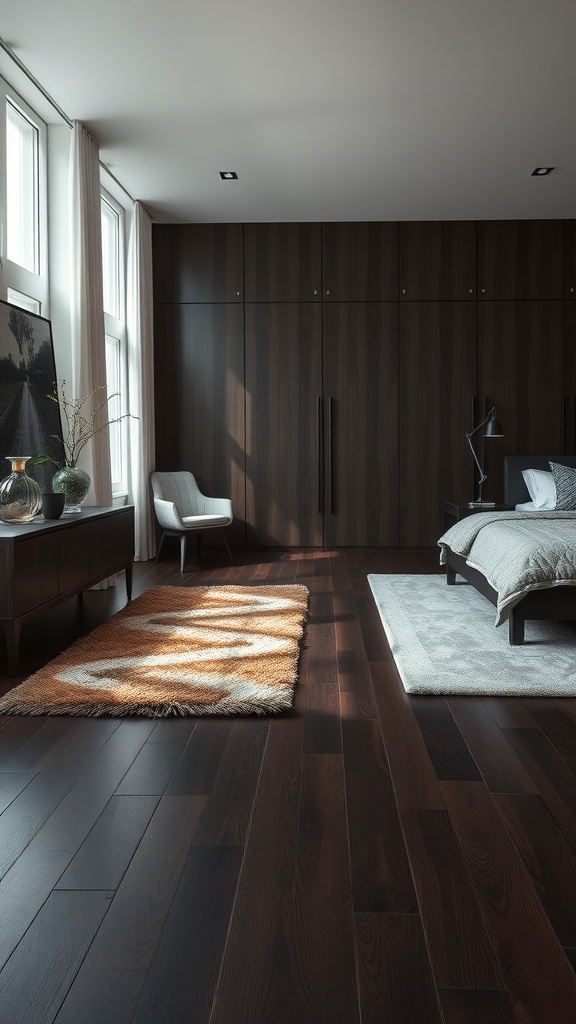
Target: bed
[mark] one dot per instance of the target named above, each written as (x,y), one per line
(523,561)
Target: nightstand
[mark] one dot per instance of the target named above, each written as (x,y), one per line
(453,513)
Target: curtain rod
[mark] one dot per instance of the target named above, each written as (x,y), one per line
(4,46)
(22,67)
(119,183)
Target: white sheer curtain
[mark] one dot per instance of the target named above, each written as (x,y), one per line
(141,378)
(87,304)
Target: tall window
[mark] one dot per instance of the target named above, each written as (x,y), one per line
(113,273)
(22,226)
(114,381)
(111,222)
(23,140)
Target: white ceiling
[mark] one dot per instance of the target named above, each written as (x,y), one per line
(326,109)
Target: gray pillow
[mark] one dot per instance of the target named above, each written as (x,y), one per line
(565,480)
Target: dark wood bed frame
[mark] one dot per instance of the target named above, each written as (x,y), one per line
(556,603)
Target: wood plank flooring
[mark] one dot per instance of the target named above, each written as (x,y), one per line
(367,858)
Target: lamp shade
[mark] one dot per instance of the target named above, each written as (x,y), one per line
(493,428)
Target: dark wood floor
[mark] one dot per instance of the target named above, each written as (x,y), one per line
(369,857)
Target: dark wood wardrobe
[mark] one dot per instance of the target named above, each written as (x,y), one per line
(324,375)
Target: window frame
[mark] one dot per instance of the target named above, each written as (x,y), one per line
(115,328)
(33,284)
(107,200)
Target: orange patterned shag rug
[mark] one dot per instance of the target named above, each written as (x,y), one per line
(228,650)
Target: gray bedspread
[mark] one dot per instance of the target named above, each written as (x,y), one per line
(516,551)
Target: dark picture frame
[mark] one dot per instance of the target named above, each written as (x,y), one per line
(30,422)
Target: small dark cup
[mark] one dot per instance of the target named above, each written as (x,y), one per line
(53,505)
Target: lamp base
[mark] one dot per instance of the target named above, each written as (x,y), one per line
(481,504)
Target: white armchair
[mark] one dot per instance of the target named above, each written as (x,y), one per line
(182,509)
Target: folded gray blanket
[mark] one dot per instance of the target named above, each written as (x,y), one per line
(516,551)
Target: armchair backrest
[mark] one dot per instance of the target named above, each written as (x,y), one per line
(179,487)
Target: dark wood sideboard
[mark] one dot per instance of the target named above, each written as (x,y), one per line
(46,561)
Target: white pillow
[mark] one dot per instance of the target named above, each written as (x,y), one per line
(527,506)
(541,488)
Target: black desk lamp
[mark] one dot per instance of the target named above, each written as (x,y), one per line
(493,429)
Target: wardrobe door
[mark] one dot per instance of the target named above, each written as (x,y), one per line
(569,399)
(361,423)
(437,260)
(199,398)
(282,262)
(360,262)
(437,383)
(520,259)
(198,262)
(570,259)
(520,371)
(283,429)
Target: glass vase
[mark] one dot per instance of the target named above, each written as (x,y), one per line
(74,483)
(20,498)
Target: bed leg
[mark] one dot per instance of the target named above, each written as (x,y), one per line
(515,629)
(450,576)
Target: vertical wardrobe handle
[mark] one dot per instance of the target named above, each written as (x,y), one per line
(319,448)
(330,489)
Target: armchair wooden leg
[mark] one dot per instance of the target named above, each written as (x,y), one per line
(160,544)
(182,551)
(226,544)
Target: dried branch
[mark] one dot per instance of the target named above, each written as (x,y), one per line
(80,427)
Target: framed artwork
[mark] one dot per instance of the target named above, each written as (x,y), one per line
(29,419)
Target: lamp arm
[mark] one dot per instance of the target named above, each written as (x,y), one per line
(492,430)
(480,425)
(482,474)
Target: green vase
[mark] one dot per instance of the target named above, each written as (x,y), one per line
(74,483)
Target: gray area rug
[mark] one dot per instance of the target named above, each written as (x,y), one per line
(444,641)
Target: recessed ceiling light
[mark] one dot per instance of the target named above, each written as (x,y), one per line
(539,171)
(228,175)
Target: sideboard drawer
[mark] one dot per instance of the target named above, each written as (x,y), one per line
(111,541)
(35,572)
(73,557)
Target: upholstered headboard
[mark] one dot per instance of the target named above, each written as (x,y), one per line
(515,490)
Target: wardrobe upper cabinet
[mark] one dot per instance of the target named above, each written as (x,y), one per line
(360,262)
(282,262)
(570,259)
(437,260)
(197,262)
(520,259)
